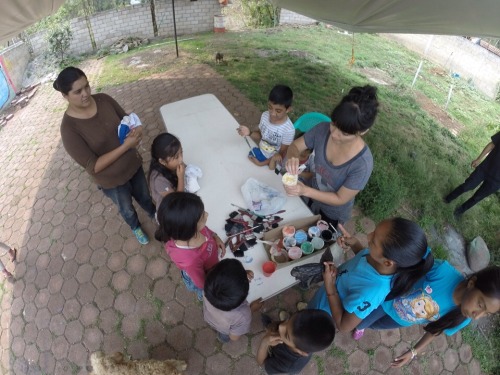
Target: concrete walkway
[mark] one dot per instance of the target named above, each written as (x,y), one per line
(82,282)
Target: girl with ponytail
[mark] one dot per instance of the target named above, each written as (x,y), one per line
(167,168)
(397,256)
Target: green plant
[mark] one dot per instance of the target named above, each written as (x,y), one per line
(59,39)
(484,347)
(260,13)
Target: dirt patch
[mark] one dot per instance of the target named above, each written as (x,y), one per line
(382,78)
(152,58)
(438,114)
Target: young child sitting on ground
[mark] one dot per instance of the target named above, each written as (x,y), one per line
(225,307)
(276,131)
(191,245)
(288,348)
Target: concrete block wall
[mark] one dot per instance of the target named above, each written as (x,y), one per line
(191,16)
(110,26)
(289,17)
(458,55)
(15,59)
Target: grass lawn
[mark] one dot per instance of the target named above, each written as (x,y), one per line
(417,159)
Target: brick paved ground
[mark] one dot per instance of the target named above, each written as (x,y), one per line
(84,284)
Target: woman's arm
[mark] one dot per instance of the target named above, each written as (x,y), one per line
(342,196)
(490,146)
(413,352)
(293,154)
(344,321)
(133,139)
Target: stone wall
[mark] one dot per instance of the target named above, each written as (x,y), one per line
(110,26)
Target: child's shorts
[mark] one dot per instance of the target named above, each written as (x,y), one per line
(257,154)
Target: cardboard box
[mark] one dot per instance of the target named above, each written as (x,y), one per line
(276,233)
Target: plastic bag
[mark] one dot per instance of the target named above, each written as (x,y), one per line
(126,125)
(262,199)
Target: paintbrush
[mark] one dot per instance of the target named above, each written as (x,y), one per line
(251,148)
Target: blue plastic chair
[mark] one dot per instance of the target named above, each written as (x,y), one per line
(309,120)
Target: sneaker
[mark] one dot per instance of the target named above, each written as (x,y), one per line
(223,338)
(358,333)
(141,236)
(457,214)
(13,255)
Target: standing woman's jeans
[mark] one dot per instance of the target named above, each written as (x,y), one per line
(136,187)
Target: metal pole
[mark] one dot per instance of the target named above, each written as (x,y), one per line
(175,29)
(422,61)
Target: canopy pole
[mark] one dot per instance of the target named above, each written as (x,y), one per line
(175,29)
(422,61)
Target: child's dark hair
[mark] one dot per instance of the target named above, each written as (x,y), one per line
(226,285)
(313,330)
(164,146)
(487,281)
(406,244)
(357,110)
(65,79)
(178,216)
(281,94)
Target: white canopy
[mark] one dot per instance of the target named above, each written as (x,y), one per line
(452,17)
(447,17)
(17,15)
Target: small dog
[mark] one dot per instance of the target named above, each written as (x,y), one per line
(116,364)
(219,58)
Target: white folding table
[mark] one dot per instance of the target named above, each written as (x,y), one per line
(208,135)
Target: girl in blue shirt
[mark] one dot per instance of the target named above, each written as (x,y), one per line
(444,300)
(396,258)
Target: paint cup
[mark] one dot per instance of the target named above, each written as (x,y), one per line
(307,248)
(288,242)
(317,243)
(327,235)
(314,232)
(322,225)
(290,179)
(280,257)
(288,231)
(268,268)
(300,236)
(294,252)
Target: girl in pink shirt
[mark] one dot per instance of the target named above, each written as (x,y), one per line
(191,245)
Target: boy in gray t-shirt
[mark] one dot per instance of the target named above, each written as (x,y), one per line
(224,300)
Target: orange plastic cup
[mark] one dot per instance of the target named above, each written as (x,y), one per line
(268,268)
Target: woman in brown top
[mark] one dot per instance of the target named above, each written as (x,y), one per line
(89,135)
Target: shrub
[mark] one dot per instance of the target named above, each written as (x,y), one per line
(59,39)
(260,13)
